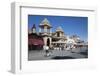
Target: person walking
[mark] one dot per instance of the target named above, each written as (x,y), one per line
(46,48)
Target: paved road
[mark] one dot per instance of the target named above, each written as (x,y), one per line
(65,54)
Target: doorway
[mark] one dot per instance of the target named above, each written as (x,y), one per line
(48,42)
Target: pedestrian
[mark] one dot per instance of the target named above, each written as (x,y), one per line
(46,51)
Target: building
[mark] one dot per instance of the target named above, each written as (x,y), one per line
(45,37)
(59,39)
(45,32)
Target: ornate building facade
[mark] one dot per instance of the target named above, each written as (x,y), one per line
(49,38)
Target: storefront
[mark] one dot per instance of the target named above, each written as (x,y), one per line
(35,43)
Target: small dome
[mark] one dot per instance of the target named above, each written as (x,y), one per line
(33,26)
(59,29)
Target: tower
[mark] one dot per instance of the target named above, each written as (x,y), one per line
(59,32)
(33,28)
(45,31)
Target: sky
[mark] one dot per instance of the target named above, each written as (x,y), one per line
(71,25)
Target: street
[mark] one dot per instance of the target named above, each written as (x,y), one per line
(75,53)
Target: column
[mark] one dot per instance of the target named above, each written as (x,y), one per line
(50,32)
(50,41)
(45,29)
(45,41)
(60,34)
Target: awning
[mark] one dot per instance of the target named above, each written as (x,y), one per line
(35,42)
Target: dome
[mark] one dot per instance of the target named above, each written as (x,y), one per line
(33,26)
(59,29)
(45,22)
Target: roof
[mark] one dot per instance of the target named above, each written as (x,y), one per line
(45,22)
(59,29)
(60,41)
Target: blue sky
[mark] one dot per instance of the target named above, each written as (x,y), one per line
(70,24)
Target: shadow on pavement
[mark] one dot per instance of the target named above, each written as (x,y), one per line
(62,57)
(84,53)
